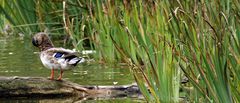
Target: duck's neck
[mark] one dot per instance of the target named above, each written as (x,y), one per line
(46,45)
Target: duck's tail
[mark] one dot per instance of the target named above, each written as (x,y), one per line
(76,60)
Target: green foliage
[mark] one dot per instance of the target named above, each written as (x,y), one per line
(207,36)
(19,13)
(147,49)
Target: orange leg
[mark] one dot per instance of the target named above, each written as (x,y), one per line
(60,77)
(52,74)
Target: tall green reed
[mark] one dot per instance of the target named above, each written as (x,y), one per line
(197,37)
(19,13)
(144,43)
(205,33)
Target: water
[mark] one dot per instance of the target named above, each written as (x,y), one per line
(19,58)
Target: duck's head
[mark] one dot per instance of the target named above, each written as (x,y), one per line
(42,41)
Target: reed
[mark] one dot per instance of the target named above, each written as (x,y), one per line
(205,33)
(144,43)
(19,12)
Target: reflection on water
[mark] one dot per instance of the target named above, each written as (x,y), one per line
(18,59)
(74,100)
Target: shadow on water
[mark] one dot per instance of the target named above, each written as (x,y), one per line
(19,58)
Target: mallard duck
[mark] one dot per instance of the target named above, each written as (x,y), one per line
(55,58)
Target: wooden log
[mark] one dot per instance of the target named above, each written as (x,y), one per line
(44,88)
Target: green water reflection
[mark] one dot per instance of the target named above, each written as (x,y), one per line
(19,58)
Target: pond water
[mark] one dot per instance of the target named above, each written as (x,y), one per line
(18,58)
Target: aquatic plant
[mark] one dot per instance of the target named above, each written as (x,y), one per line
(207,35)
(20,14)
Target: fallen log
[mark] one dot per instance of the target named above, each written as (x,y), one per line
(44,88)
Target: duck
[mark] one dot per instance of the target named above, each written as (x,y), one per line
(55,58)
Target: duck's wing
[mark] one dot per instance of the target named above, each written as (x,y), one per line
(66,54)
